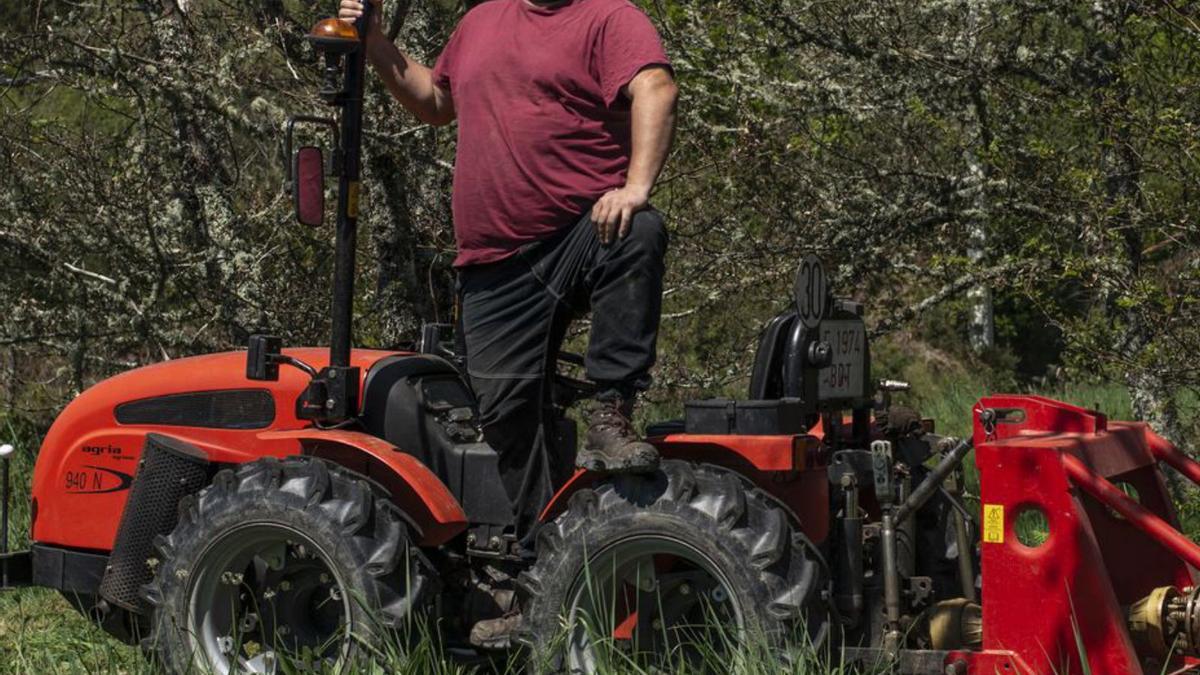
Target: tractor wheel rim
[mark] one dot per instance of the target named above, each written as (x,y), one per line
(689,598)
(265,591)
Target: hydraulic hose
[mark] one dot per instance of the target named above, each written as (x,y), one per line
(933,481)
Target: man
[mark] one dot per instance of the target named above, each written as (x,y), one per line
(565,113)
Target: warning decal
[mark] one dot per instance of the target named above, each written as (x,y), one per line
(993,523)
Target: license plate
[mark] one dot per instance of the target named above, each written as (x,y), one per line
(844,377)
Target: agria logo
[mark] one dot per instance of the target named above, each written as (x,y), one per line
(102,450)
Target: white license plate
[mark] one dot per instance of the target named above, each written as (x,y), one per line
(844,377)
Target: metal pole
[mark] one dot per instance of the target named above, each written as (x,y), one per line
(891,586)
(930,485)
(850,560)
(346,235)
(906,534)
(5,452)
(1164,451)
(966,570)
(1136,514)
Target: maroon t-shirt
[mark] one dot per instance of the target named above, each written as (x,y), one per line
(543,130)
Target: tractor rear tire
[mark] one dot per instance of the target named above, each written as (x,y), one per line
(277,561)
(684,518)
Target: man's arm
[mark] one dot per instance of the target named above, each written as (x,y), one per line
(653,94)
(410,82)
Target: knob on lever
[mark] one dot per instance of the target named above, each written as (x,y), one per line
(888,387)
(333,36)
(820,355)
(894,385)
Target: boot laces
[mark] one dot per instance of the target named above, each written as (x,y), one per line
(609,416)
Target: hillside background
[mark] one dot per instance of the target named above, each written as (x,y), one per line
(1011,187)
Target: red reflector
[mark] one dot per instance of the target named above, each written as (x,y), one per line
(799,453)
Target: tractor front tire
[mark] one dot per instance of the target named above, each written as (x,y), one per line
(283,561)
(660,537)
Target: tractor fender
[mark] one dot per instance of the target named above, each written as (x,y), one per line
(430,507)
(790,469)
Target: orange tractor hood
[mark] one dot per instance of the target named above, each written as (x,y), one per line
(88,457)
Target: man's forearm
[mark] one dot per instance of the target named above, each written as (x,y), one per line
(653,94)
(410,82)
(653,119)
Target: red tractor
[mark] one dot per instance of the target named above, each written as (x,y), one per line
(235,510)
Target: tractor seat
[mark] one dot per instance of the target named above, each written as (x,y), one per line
(773,376)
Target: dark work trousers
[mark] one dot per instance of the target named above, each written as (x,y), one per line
(515,314)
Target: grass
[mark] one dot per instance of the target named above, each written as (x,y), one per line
(41,633)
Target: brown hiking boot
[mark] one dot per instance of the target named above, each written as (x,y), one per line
(495,633)
(612,445)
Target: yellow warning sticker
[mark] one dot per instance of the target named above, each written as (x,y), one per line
(352,200)
(993,523)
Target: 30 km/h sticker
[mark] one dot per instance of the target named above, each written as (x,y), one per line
(810,292)
(993,523)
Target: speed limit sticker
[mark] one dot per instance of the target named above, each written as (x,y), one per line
(810,291)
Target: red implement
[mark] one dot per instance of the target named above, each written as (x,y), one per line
(1065,549)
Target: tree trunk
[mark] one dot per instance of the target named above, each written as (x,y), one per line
(1121,169)
(982,327)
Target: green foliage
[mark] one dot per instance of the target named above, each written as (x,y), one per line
(143,216)
(1045,150)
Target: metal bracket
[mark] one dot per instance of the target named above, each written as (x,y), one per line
(920,589)
(332,396)
(855,464)
(289,142)
(881,453)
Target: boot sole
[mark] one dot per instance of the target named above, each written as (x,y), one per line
(599,465)
(499,644)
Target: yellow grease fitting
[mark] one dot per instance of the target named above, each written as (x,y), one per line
(993,523)
(352,200)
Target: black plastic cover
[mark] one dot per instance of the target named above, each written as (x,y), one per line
(421,405)
(261,364)
(780,417)
(224,409)
(72,572)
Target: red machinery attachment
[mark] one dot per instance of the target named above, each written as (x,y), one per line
(1083,564)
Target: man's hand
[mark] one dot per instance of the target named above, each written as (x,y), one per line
(614,212)
(350,10)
